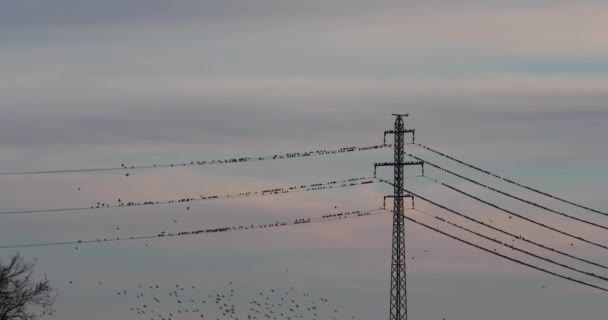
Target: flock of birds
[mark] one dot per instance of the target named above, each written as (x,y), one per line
(155,302)
(329,217)
(320,152)
(312,187)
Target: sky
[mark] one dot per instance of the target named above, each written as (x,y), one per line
(516,87)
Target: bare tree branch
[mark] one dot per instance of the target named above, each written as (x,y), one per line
(21,298)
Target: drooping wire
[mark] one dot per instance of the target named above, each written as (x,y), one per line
(540,245)
(508,194)
(591,274)
(350,182)
(324,218)
(505,256)
(291,155)
(512,182)
(519,215)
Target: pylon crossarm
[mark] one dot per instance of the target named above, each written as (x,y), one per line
(398,164)
(403,196)
(412,131)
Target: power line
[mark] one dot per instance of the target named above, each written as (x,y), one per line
(506,257)
(324,218)
(519,216)
(510,195)
(350,182)
(591,274)
(291,155)
(511,181)
(501,230)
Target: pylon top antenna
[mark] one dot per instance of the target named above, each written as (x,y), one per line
(401,115)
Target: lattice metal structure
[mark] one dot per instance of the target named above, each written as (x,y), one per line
(398,294)
(398,303)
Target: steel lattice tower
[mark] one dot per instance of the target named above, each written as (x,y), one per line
(398,299)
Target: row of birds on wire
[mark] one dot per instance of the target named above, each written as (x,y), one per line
(296,221)
(319,152)
(289,155)
(120,203)
(274,191)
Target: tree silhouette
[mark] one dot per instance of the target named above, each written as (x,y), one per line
(21,298)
